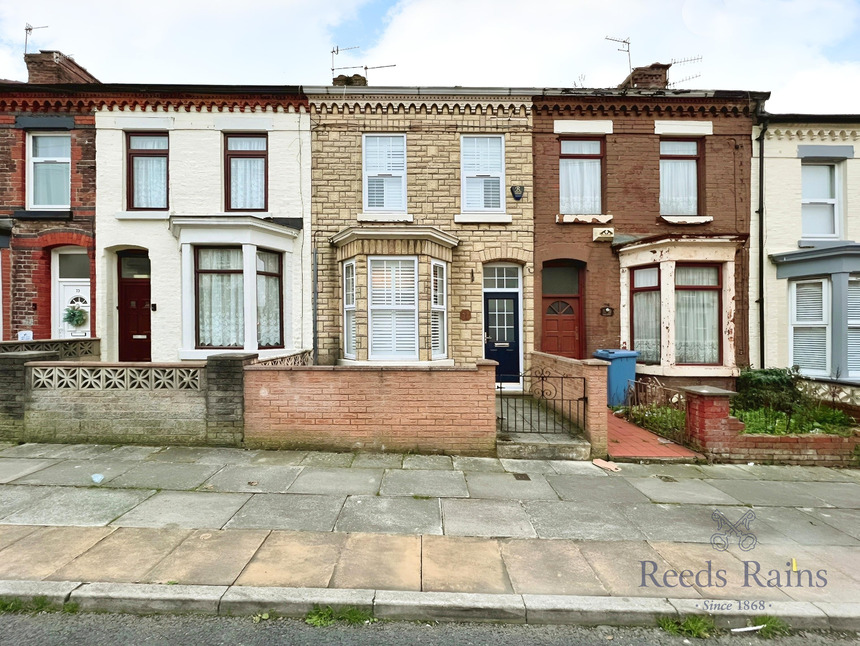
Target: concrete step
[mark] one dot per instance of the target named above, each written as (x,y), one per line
(542,446)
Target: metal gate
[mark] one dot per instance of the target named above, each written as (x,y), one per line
(547,403)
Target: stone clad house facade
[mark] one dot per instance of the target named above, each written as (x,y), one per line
(423,225)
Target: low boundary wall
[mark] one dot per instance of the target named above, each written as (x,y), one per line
(427,409)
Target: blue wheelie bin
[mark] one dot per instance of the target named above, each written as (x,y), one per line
(622,370)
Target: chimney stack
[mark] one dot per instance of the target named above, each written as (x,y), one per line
(49,67)
(655,75)
(355,79)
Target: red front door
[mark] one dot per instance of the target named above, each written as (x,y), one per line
(134,308)
(561,326)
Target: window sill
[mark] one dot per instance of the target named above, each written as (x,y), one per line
(384,217)
(200,354)
(483,218)
(44,214)
(567,218)
(142,215)
(446,363)
(686,370)
(687,219)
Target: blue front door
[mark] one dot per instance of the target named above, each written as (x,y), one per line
(502,334)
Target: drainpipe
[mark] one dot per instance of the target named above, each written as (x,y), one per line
(763,123)
(314,297)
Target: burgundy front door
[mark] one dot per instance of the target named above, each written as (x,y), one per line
(561,327)
(134,308)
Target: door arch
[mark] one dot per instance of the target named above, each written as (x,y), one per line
(562,288)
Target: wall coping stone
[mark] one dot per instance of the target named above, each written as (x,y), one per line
(102,364)
(467,368)
(707,391)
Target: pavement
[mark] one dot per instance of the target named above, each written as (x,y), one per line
(229,531)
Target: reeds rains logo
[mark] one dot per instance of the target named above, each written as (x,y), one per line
(754,574)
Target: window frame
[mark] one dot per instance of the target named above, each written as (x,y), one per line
(280,276)
(851,323)
(699,288)
(365,175)
(131,154)
(349,308)
(440,308)
(500,174)
(698,159)
(370,308)
(32,160)
(197,273)
(835,201)
(826,322)
(635,290)
(229,155)
(601,157)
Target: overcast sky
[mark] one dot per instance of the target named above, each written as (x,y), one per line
(806,52)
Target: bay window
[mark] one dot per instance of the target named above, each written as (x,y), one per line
(697,314)
(269,294)
(245,159)
(147,171)
(438,309)
(384,172)
(645,295)
(809,342)
(679,177)
(482,168)
(393,308)
(49,171)
(580,176)
(349,309)
(853,344)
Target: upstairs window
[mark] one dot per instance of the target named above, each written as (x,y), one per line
(819,212)
(679,177)
(147,171)
(385,173)
(49,177)
(580,176)
(246,175)
(482,169)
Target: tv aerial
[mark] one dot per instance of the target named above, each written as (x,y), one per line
(337,50)
(685,61)
(625,47)
(28,30)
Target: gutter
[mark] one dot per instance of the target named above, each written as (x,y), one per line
(763,122)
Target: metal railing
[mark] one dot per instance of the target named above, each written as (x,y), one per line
(298,358)
(547,403)
(657,408)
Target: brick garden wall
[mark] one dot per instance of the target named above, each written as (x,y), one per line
(427,409)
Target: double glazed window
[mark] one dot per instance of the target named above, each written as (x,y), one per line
(385,173)
(147,171)
(349,328)
(679,177)
(482,168)
(393,297)
(819,212)
(245,158)
(810,326)
(646,313)
(49,171)
(220,293)
(438,309)
(580,176)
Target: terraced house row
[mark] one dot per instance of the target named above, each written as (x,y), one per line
(430,226)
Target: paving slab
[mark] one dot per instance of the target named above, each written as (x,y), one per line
(189,509)
(165,475)
(584,521)
(490,465)
(589,489)
(123,557)
(334,481)
(285,511)
(527,466)
(678,471)
(841,616)
(133,453)
(146,599)
(208,557)
(447,606)
(697,558)
(692,523)
(77,473)
(395,515)
(14,468)
(79,507)
(595,611)
(379,561)
(798,615)
(12,533)
(291,602)
(442,462)
(32,450)
(14,497)
(796,473)
(770,493)
(327,459)
(377,461)
(469,517)
(835,558)
(549,567)
(844,495)
(806,528)
(618,565)
(685,491)
(211,455)
(54,592)
(506,486)
(279,458)
(81,451)
(577,468)
(459,564)
(427,482)
(726,472)
(180,454)
(256,478)
(294,560)
(45,551)
(845,520)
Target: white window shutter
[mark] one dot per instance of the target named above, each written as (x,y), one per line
(853,328)
(810,328)
(393,311)
(809,303)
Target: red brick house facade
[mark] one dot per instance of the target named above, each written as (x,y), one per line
(642,202)
(47,200)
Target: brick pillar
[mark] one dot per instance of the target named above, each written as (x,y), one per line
(225,398)
(14,391)
(595,372)
(709,426)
